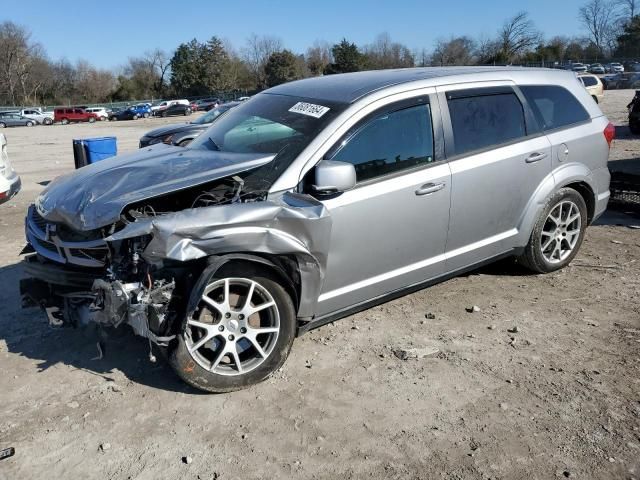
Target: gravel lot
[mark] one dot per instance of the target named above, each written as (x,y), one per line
(560,397)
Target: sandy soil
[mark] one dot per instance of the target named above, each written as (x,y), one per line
(558,398)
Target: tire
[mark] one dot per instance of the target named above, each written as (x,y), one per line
(92,119)
(47,121)
(135,117)
(113,119)
(29,124)
(563,239)
(215,370)
(3,125)
(146,115)
(65,121)
(163,115)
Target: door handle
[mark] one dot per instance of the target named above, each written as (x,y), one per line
(428,188)
(535,157)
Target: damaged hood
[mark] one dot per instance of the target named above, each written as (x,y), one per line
(94,196)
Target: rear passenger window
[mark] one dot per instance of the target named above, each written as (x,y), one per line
(554,106)
(482,121)
(389,143)
(589,81)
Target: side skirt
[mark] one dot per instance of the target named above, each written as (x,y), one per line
(387,297)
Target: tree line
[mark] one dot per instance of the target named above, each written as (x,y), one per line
(29,77)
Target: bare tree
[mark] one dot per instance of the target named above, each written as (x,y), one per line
(455,51)
(257,52)
(318,57)
(598,17)
(629,8)
(517,36)
(385,53)
(160,63)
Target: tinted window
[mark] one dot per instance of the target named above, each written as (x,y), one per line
(390,142)
(484,120)
(554,106)
(589,81)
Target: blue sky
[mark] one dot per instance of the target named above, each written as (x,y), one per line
(106,32)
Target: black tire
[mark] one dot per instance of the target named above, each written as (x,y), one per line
(195,375)
(533,258)
(92,119)
(29,124)
(163,114)
(3,125)
(47,121)
(65,121)
(146,115)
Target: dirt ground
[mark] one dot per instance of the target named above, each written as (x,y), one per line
(558,398)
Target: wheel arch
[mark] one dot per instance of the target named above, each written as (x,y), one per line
(283,267)
(573,175)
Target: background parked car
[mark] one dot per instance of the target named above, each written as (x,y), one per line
(173,110)
(101,112)
(44,118)
(163,104)
(614,67)
(593,85)
(578,67)
(129,113)
(596,68)
(207,104)
(73,114)
(181,134)
(12,119)
(9,179)
(142,110)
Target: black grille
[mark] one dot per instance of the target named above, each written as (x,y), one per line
(38,220)
(625,191)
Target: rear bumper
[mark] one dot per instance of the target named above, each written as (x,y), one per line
(602,180)
(14,187)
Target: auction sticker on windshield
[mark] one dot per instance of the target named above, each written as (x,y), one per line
(309,109)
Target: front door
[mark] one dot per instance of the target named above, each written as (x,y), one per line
(389,232)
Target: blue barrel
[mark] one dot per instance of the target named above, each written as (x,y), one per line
(100,148)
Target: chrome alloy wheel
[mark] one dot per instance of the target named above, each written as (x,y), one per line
(560,232)
(234,328)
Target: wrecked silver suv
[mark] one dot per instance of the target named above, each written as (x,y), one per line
(316,199)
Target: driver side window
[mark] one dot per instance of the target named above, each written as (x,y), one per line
(390,142)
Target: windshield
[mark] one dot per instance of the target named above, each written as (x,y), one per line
(279,125)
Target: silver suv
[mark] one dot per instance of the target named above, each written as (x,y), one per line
(316,199)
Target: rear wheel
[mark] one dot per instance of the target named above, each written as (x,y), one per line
(557,234)
(3,125)
(47,121)
(146,115)
(92,119)
(65,121)
(240,332)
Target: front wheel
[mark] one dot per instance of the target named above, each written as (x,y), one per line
(557,234)
(65,121)
(3,125)
(29,124)
(241,331)
(146,115)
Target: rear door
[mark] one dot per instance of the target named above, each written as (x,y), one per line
(498,159)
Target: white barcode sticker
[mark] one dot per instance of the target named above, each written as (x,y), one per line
(309,109)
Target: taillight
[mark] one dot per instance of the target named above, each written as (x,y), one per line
(609,133)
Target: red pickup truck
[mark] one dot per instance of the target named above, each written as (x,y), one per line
(73,114)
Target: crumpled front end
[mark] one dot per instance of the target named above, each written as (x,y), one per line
(139,271)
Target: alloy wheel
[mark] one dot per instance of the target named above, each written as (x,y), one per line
(560,232)
(234,327)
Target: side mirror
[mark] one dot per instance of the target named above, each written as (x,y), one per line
(334,177)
